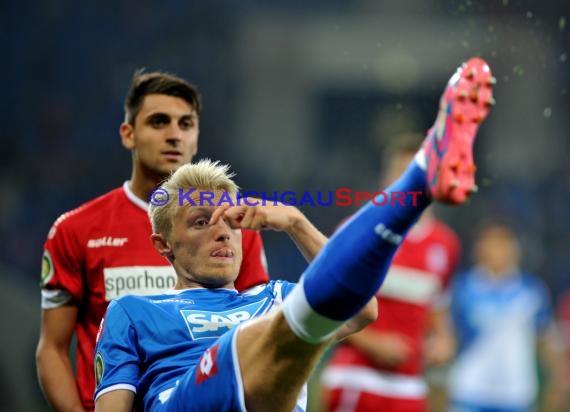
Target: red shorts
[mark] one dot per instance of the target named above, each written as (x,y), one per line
(347,400)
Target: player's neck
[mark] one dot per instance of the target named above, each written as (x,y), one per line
(142,183)
(499,272)
(183,283)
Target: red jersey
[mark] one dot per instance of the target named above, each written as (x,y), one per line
(564,319)
(102,250)
(419,274)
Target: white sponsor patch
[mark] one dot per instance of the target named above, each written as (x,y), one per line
(410,285)
(205,324)
(138,280)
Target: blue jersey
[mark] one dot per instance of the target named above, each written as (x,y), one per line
(146,344)
(497,323)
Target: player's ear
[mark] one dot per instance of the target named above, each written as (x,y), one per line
(162,245)
(127,135)
(197,143)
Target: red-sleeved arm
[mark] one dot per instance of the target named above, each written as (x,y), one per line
(253,269)
(61,263)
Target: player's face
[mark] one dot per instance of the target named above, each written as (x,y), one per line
(209,255)
(498,250)
(164,135)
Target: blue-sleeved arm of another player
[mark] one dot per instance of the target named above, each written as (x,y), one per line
(117,362)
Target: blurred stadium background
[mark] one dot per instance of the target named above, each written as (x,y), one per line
(298,96)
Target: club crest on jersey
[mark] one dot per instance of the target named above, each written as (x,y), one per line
(204,324)
(47,268)
(99,368)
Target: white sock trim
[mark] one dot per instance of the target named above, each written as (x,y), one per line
(307,324)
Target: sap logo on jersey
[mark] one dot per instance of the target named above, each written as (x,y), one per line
(204,324)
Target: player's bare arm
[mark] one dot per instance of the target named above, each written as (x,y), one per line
(366,316)
(551,356)
(120,400)
(278,217)
(52,358)
(440,345)
(385,349)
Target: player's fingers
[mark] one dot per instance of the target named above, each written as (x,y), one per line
(248,217)
(218,213)
(234,215)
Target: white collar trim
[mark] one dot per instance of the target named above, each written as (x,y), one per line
(133,198)
(178,291)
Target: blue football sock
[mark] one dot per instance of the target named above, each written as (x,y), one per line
(352,266)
